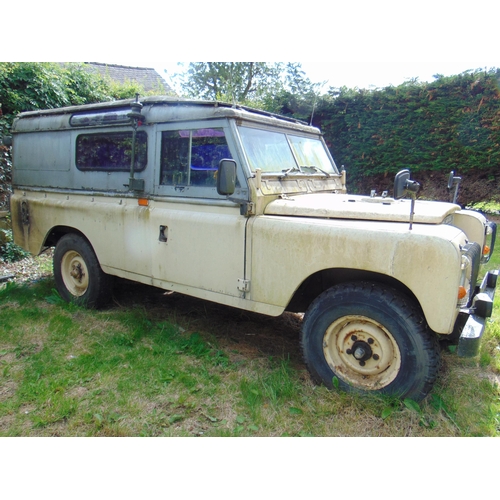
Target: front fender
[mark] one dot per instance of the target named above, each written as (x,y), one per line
(285,251)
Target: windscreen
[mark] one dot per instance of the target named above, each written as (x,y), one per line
(280,152)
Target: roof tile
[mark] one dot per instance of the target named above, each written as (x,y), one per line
(147,77)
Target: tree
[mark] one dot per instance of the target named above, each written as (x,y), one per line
(297,96)
(252,83)
(230,81)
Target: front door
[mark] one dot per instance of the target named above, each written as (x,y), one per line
(199,248)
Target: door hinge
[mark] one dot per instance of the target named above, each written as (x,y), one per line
(243,285)
(247,209)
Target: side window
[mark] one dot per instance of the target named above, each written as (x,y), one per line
(191,157)
(111,151)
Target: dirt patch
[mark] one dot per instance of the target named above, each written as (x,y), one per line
(475,186)
(242,335)
(29,269)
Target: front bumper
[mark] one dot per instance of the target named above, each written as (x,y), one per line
(482,308)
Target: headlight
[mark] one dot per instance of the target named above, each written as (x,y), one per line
(489,241)
(471,257)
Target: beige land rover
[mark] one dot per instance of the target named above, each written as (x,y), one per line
(248,209)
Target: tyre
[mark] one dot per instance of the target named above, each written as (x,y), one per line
(372,339)
(77,273)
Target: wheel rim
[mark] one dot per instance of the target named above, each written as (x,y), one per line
(74,273)
(362,352)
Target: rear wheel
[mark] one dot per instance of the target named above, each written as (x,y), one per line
(77,273)
(372,339)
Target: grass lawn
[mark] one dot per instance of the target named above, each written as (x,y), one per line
(160,365)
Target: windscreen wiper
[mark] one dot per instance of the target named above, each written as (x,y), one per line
(295,168)
(317,169)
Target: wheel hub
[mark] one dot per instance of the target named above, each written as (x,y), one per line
(361,351)
(77,272)
(74,273)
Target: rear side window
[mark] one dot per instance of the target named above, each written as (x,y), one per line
(111,151)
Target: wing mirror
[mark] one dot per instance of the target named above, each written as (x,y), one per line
(403,183)
(226,177)
(454,181)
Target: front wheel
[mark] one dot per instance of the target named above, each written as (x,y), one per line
(77,273)
(372,339)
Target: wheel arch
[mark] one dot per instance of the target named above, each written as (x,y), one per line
(57,232)
(322,280)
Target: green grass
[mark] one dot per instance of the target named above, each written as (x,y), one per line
(150,367)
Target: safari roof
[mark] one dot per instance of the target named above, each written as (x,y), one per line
(156,109)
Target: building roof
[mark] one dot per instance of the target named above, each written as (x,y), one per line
(147,77)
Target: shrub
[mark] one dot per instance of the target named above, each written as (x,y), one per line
(9,251)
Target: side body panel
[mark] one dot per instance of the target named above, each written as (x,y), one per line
(194,248)
(204,251)
(284,251)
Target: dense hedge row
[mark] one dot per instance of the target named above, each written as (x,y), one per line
(452,123)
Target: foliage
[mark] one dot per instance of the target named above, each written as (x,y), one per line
(5,173)
(297,96)
(230,81)
(128,89)
(452,123)
(259,84)
(28,86)
(9,251)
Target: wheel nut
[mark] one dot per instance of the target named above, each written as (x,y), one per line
(359,353)
(376,357)
(370,341)
(354,338)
